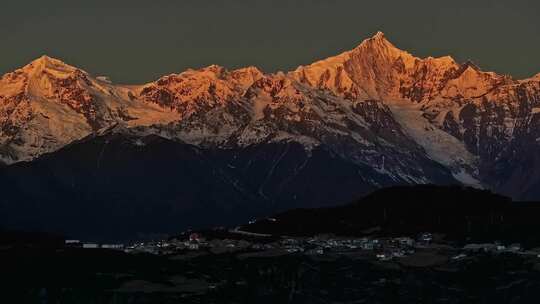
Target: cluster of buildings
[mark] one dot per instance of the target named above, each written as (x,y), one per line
(496,248)
(194,242)
(382,248)
(79,244)
(493,247)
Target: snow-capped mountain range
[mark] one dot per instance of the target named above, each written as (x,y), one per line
(394,117)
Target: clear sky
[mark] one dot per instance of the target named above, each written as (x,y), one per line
(135,41)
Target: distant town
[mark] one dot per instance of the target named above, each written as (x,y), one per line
(246,244)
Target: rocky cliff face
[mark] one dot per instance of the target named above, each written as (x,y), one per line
(411,120)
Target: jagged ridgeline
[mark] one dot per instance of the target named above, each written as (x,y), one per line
(324,134)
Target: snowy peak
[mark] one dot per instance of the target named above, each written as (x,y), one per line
(278,87)
(380,48)
(378,44)
(205,88)
(44,77)
(470,65)
(329,74)
(48,104)
(369,71)
(245,77)
(45,62)
(469,81)
(379,35)
(364,72)
(377,69)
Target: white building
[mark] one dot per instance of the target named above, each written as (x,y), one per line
(90,246)
(113,246)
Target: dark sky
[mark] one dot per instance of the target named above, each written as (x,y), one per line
(136,41)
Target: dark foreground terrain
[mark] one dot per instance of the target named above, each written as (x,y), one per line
(433,245)
(79,276)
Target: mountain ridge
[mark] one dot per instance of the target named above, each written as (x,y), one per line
(374,105)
